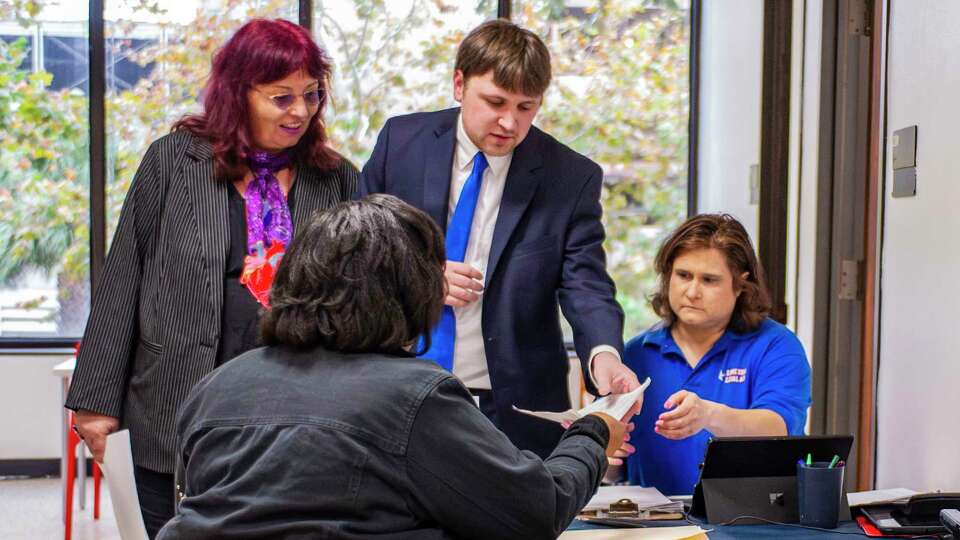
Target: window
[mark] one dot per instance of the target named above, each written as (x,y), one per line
(65,56)
(158,57)
(390,60)
(626,62)
(44,178)
(10,32)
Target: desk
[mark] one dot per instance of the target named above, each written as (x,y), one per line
(64,370)
(780,532)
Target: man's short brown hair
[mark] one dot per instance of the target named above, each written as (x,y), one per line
(724,233)
(518,58)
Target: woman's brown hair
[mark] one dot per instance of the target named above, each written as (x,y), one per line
(724,233)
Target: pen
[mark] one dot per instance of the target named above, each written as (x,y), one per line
(840,464)
(809,459)
(834,461)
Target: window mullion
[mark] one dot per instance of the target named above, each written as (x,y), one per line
(98,156)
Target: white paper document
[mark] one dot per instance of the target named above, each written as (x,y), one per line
(616,405)
(879,496)
(118,471)
(646,498)
(652,533)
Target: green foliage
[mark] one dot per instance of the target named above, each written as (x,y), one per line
(619,96)
(43,173)
(388,62)
(22,11)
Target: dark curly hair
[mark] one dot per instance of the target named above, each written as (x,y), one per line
(724,233)
(363,276)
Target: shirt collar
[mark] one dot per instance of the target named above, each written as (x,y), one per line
(746,335)
(466,150)
(660,337)
(659,334)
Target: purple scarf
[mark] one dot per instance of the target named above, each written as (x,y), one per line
(268,216)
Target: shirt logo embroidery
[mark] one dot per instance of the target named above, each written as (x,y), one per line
(733,375)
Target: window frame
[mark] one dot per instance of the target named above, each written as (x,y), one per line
(98,138)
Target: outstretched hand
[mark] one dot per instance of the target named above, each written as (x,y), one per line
(612,376)
(690,414)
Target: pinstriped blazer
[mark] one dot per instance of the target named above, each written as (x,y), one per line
(154,326)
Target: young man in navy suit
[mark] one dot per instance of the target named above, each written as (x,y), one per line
(522,217)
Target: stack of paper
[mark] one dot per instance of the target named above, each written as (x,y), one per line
(879,496)
(616,405)
(646,498)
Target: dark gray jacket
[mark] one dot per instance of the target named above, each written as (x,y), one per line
(316,444)
(154,325)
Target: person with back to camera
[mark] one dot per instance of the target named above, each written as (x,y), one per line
(720,366)
(210,211)
(344,432)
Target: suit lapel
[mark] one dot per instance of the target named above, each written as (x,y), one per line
(437,167)
(211,214)
(521,185)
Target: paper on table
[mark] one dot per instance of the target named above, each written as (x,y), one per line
(879,496)
(616,405)
(118,470)
(652,533)
(644,497)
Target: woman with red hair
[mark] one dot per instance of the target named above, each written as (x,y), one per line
(208,217)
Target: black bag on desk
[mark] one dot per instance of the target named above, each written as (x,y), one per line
(757,476)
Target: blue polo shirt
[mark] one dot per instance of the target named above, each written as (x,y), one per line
(763,369)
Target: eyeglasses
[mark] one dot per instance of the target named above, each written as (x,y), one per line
(284,101)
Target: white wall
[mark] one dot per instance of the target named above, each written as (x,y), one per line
(30,406)
(729,132)
(919,373)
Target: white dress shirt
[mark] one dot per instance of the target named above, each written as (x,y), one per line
(469,356)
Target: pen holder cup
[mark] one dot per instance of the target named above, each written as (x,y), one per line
(819,488)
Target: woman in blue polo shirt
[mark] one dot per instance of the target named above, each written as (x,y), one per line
(720,367)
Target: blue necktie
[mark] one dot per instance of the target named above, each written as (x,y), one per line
(444,335)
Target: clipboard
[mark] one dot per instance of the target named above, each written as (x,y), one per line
(626,513)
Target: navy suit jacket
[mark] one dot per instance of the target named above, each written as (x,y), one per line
(547,249)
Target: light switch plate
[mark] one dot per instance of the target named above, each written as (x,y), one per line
(905,148)
(755,183)
(905,182)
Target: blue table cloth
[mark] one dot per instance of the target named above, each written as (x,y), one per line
(847,529)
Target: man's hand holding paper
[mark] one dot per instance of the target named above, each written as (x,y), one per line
(617,406)
(612,376)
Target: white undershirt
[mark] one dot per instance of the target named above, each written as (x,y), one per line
(469,356)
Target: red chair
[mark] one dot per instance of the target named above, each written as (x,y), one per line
(73,440)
